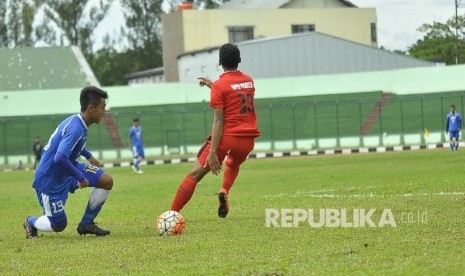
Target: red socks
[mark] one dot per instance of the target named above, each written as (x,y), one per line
(184,194)
(229,177)
(187,187)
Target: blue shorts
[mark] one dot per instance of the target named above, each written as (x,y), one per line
(454,134)
(53,205)
(138,152)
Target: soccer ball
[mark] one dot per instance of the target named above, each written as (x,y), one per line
(170,223)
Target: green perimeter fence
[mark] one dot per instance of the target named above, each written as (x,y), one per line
(283,121)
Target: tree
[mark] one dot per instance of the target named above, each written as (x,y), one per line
(16,18)
(143,31)
(70,18)
(400,52)
(111,67)
(3,25)
(210,4)
(440,42)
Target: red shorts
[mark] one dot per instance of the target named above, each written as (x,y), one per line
(236,148)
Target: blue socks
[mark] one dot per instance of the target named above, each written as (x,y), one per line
(96,200)
(136,162)
(32,220)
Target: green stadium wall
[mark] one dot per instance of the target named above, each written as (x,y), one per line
(175,111)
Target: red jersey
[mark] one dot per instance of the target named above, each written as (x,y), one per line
(234,92)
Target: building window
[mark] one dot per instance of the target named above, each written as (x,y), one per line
(305,28)
(238,34)
(373,33)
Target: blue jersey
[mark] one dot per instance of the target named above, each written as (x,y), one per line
(135,134)
(69,139)
(454,122)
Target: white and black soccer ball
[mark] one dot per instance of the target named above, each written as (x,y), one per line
(170,223)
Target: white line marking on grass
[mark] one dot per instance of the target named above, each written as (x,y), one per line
(299,193)
(316,194)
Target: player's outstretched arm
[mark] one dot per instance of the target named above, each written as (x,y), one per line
(205,82)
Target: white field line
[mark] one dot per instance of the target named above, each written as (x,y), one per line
(318,194)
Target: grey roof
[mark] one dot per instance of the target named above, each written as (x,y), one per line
(305,54)
(263,4)
(145,73)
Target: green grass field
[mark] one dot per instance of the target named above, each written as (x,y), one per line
(428,182)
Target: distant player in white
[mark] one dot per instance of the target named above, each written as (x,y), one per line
(136,145)
(453,127)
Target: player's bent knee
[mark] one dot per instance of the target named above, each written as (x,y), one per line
(58,224)
(106,181)
(232,164)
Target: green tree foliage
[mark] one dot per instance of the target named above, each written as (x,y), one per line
(210,4)
(74,19)
(143,30)
(110,66)
(3,25)
(440,42)
(16,18)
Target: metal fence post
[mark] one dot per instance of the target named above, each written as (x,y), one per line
(162,132)
(271,126)
(443,135)
(294,140)
(315,121)
(338,137)
(4,142)
(422,136)
(461,101)
(184,132)
(402,133)
(361,123)
(27,141)
(381,136)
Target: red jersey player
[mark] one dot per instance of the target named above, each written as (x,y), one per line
(233,132)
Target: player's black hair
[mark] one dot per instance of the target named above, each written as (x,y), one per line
(452,105)
(230,56)
(135,120)
(91,95)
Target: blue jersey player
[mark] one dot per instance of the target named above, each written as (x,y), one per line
(136,145)
(60,173)
(453,127)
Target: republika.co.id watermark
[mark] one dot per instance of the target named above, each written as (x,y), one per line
(346,218)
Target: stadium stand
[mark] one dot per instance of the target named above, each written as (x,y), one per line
(43,68)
